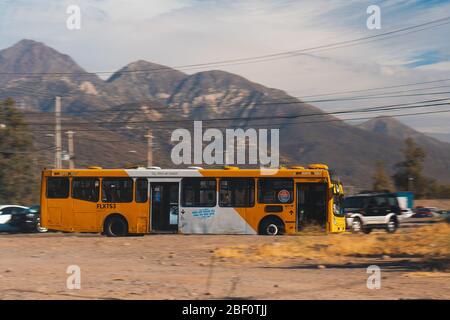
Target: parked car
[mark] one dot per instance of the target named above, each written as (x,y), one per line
(7,212)
(365,212)
(405,200)
(446,216)
(29,220)
(33,218)
(406,214)
(425,212)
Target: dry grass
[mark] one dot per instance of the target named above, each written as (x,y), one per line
(436,274)
(428,242)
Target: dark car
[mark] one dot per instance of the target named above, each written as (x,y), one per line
(446,215)
(29,220)
(9,213)
(422,212)
(368,211)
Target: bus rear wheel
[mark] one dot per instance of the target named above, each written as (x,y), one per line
(271,227)
(116,226)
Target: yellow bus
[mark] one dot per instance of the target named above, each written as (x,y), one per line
(118,202)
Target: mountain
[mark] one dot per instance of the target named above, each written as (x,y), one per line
(28,56)
(437,162)
(391,127)
(80,90)
(309,136)
(145,79)
(444,137)
(217,93)
(112,117)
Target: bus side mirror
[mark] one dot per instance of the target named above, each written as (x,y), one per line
(336,190)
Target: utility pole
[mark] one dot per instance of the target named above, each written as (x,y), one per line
(71,149)
(58,149)
(410,183)
(149,148)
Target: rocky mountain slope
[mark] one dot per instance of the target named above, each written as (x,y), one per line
(145,95)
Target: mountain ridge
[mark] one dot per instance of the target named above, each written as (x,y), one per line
(130,102)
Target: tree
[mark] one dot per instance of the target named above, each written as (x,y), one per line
(436,190)
(381,180)
(408,175)
(18,172)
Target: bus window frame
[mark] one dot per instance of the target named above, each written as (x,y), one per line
(238,178)
(340,198)
(69,192)
(135,189)
(182,202)
(90,177)
(132,190)
(291,200)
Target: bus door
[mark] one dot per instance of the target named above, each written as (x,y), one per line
(164,205)
(85,197)
(142,208)
(311,204)
(56,206)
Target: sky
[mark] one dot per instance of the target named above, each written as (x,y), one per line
(114,33)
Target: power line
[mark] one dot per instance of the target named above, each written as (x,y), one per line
(283,54)
(252,119)
(95,140)
(271,124)
(371,109)
(41,94)
(380,88)
(273,102)
(26,152)
(241,105)
(368,118)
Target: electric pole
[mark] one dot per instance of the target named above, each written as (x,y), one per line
(58,159)
(71,149)
(410,183)
(149,148)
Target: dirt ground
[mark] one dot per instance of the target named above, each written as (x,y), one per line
(33,266)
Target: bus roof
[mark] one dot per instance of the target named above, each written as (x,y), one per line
(194,172)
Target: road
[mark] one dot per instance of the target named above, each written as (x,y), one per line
(33,266)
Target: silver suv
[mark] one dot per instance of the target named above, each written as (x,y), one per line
(365,212)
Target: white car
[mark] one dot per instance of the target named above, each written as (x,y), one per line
(365,212)
(406,214)
(6,212)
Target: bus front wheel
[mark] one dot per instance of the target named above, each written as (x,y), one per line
(116,226)
(271,227)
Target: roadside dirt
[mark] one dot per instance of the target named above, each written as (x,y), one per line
(33,266)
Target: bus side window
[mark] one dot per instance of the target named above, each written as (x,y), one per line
(198,192)
(275,190)
(239,193)
(85,189)
(141,190)
(57,188)
(117,190)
